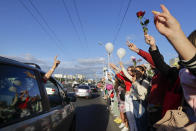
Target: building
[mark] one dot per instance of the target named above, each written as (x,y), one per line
(58,75)
(79,76)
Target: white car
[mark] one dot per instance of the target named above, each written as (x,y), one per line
(50,89)
(83,91)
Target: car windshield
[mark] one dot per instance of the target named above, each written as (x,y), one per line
(83,87)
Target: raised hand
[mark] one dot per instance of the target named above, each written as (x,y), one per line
(132,47)
(165,23)
(112,65)
(56,62)
(150,40)
(121,64)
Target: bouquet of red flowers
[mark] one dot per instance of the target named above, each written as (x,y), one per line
(144,24)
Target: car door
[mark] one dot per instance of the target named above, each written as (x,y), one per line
(21,103)
(61,112)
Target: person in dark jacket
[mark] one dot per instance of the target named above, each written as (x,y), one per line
(174,92)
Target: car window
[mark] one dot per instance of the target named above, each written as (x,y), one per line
(83,87)
(19,94)
(53,93)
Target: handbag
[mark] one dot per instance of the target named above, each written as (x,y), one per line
(173,120)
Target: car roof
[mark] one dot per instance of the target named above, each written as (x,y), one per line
(4,60)
(84,86)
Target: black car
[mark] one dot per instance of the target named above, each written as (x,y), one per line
(27,102)
(93,88)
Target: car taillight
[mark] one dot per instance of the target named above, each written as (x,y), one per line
(53,90)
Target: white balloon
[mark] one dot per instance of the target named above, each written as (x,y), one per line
(121,52)
(109,47)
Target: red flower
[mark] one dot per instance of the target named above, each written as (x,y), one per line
(140,14)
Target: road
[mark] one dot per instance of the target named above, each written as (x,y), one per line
(92,115)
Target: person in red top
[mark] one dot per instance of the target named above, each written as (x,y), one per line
(123,99)
(159,86)
(158,82)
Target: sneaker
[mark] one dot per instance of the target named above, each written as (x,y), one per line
(118,120)
(121,125)
(125,129)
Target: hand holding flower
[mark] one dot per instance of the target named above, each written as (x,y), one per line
(144,24)
(150,41)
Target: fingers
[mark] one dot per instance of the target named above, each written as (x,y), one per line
(164,9)
(147,38)
(128,43)
(55,58)
(159,15)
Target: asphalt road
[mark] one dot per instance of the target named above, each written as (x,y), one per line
(92,115)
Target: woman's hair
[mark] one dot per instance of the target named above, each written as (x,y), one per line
(131,67)
(139,74)
(118,82)
(192,38)
(141,68)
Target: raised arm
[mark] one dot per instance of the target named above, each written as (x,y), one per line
(125,72)
(156,56)
(140,52)
(115,68)
(49,73)
(168,26)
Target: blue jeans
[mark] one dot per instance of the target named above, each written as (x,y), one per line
(141,118)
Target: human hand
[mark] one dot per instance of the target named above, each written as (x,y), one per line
(56,62)
(149,40)
(165,23)
(112,65)
(121,64)
(132,47)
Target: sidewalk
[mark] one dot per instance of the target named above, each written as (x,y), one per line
(112,126)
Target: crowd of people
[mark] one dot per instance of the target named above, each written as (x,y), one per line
(142,103)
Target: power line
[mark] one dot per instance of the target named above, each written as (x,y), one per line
(79,18)
(70,18)
(46,23)
(34,17)
(117,33)
(41,25)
